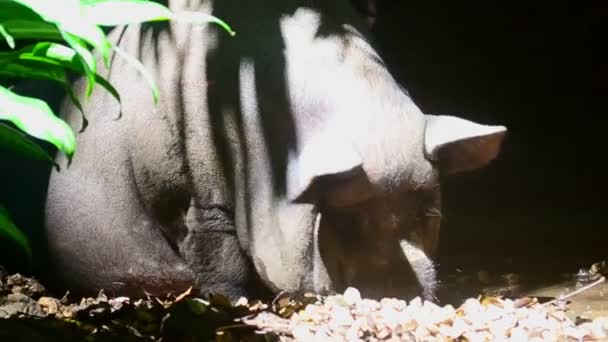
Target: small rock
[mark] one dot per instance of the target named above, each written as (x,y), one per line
(342,316)
(18,304)
(352,296)
(118,303)
(518,334)
(35,289)
(16,280)
(416,303)
(242,301)
(383,334)
(303,333)
(49,305)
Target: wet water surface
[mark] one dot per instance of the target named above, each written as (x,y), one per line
(464,277)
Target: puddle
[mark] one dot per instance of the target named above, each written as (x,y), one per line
(511,279)
(590,303)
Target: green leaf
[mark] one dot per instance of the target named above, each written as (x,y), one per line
(69,17)
(64,56)
(109,87)
(43,69)
(21,29)
(22,70)
(141,68)
(36,118)
(123,12)
(31,29)
(9,39)
(27,65)
(10,9)
(76,102)
(89,65)
(10,230)
(17,141)
(45,60)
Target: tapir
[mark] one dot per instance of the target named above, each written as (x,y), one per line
(283,158)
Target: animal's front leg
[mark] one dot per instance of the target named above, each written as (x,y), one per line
(212,250)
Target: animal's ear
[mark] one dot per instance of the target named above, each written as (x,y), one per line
(459,145)
(328,171)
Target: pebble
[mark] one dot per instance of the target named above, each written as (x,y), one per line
(348,317)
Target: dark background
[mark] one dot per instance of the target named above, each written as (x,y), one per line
(535,67)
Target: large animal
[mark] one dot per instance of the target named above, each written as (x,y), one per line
(285,158)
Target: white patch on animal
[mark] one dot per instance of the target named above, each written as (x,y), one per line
(421,264)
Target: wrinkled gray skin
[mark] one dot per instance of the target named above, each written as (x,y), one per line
(285,158)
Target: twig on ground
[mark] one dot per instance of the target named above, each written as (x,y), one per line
(268,322)
(574,293)
(278,296)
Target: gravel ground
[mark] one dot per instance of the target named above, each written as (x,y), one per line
(348,317)
(29,313)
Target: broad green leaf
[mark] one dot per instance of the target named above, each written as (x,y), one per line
(10,9)
(36,118)
(55,51)
(41,69)
(69,17)
(10,230)
(46,60)
(41,30)
(9,39)
(32,29)
(76,102)
(65,56)
(89,64)
(17,141)
(34,67)
(142,69)
(21,70)
(123,12)
(109,87)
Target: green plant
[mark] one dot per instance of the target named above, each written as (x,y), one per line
(47,40)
